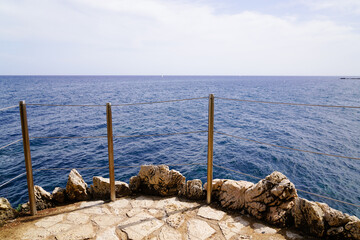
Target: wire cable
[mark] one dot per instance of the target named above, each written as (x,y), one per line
(67,137)
(59,169)
(166,101)
(10,144)
(299,190)
(2,109)
(114,105)
(288,148)
(5,183)
(119,166)
(155,135)
(128,136)
(292,104)
(64,105)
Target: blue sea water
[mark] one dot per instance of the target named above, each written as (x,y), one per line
(328,130)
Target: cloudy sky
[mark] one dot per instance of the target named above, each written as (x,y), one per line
(180,37)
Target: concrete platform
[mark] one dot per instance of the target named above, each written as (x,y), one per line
(142,217)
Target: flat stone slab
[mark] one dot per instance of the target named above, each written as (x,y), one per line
(175,220)
(49,221)
(78,218)
(144,217)
(168,233)
(199,230)
(36,233)
(108,234)
(142,202)
(210,213)
(140,226)
(78,233)
(261,228)
(232,227)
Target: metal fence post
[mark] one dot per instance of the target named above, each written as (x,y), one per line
(28,165)
(210,149)
(110,151)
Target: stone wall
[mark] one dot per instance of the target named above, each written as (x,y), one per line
(273,199)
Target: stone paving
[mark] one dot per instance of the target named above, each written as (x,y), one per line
(142,217)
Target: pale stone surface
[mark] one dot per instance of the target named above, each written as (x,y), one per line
(158,180)
(333,217)
(91,204)
(232,194)
(76,187)
(106,220)
(49,221)
(142,202)
(216,186)
(161,203)
(309,216)
(59,227)
(79,232)
(6,211)
(232,227)
(198,229)
(78,218)
(108,234)
(134,183)
(42,198)
(293,236)
(101,188)
(175,220)
(353,228)
(157,213)
(93,207)
(58,194)
(133,212)
(271,199)
(168,233)
(193,190)
(140,226)
(261,228)
(210,213)
(120,203)
(35,234)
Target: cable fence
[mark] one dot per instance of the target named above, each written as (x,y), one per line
(288,148)
(290,104)
(6,108)
(110,138)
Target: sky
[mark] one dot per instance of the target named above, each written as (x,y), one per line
(180,37)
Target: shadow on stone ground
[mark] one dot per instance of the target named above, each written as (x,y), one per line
(143,217)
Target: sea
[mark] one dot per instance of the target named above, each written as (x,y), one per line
(334,131)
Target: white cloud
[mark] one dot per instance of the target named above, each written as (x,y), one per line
(158,37)
(349,6)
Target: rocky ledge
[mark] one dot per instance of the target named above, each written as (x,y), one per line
(273,199)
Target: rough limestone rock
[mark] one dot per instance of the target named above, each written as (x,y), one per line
(159,180)
(43,198)
(134,183)
(193,190)
(216,186)
(353,228)
(232,194)
(59,194)
(76,187)
(309,217)
(6,211)
(101,188)
(271,199)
